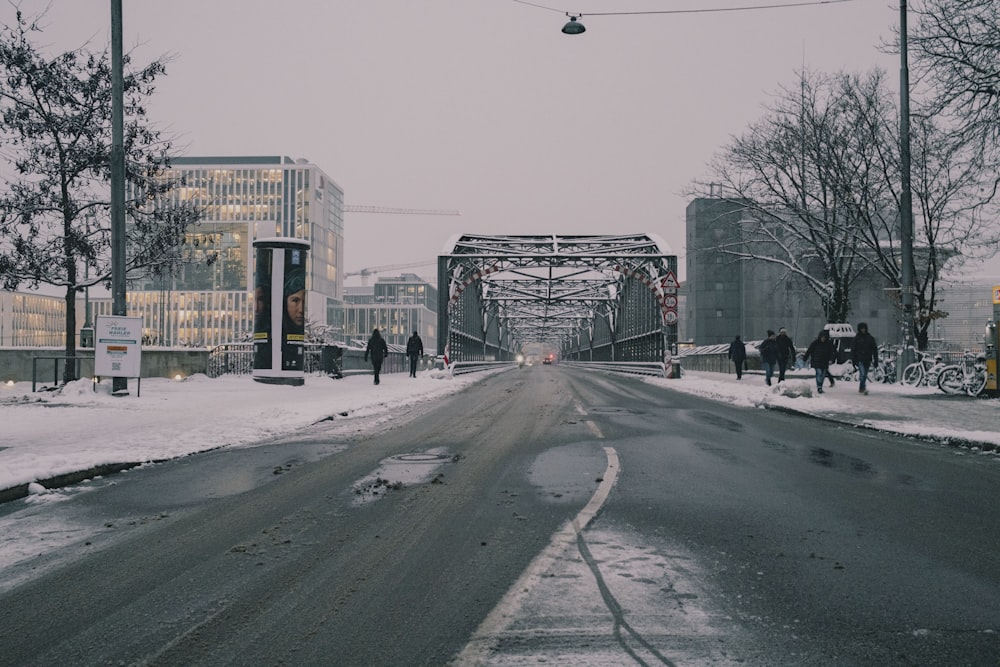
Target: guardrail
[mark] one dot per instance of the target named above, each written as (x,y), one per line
(462,367)
(653,368)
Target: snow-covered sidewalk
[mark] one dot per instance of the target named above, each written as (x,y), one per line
(78,429)
(914,411)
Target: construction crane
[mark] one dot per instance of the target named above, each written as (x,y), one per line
(371,270)
(349,208)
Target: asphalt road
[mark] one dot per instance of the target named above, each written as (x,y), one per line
(730,536)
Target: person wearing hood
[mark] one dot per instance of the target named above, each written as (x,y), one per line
(769,356)
(378,350)
(864,352)
(414,350)
(786,353)
(820,354)
(738,353)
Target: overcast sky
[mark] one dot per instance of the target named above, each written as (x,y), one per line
(483,106)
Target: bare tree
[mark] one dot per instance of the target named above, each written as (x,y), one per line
(819,179)
(954,48)
(56,135)
(954,189)
(797,175)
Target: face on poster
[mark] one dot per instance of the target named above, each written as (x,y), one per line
(293,299)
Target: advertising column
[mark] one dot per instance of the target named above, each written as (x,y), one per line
(993,347)
(279,310)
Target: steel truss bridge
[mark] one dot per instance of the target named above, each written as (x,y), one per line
(592,298)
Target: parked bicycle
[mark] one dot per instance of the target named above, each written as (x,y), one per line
(883,370)
(923,372)
(969,377)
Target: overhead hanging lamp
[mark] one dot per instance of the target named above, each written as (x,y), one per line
(573,27)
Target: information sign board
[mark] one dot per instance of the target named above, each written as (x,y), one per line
(117,348)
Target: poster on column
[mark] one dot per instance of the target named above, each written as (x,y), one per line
(262,310)
(293,321)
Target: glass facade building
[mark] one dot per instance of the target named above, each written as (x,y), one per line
(32,320)
(397,307)
(242,199)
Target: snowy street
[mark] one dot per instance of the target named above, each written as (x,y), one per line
(705,530)
(48,434)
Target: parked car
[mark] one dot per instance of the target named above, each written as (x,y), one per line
(842,334)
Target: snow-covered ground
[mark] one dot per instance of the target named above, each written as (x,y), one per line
(47,434)
(80,428)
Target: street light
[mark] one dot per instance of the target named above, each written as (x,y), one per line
(905,197)
(119,385)
(573,27)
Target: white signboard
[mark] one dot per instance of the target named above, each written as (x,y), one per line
(117,349)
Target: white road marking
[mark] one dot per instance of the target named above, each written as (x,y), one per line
(506,612)
(594,428)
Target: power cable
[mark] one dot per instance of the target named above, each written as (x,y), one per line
(686,11)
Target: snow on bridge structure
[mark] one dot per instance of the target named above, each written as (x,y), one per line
(594,298)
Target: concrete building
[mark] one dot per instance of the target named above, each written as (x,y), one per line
(397,306)
(723,296)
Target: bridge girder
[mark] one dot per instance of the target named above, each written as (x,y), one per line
(554,289)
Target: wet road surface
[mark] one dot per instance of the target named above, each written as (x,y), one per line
(730,536)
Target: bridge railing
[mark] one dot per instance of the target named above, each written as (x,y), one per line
(653,368)
(462,367)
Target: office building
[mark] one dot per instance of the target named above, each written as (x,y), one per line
(242,199)
(397,306)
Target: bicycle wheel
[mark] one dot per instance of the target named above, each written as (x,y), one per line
(889,373)
(976,384)
(877,374)
(913,374)
(951,380)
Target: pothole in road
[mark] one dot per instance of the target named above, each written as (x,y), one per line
(420,457)
(612,410)
(399,471)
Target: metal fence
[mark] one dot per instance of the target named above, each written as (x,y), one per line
(237,359)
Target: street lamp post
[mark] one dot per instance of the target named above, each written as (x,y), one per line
(119,385)
(905,197)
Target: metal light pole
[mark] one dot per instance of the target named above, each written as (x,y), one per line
(905,197)
(119,386)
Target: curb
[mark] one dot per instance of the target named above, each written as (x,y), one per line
(951,441)
(21,490)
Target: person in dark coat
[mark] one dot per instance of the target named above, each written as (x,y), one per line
(820,354)
(414,350)
(786,353)
(768,356)
(378,350)
(738,353)
(864,353)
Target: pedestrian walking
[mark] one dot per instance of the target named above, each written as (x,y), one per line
(786,353)
(414,350)
(738,354)
(864,353)
(378,350)
(820,353)
(768,356)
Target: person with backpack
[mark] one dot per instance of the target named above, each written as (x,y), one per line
(414,350)
(821,354)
